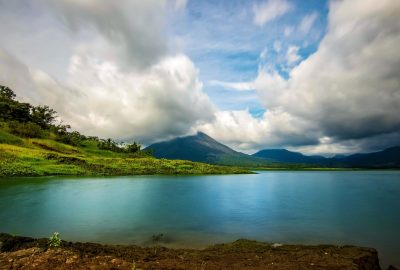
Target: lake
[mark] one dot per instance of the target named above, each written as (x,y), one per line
(315,207)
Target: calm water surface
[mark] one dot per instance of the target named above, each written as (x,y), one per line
(359,207)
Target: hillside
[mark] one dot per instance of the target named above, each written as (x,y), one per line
(203,148)
(37,157)
(388,158)
(33,143)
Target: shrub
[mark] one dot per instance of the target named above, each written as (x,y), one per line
(72,138)
(29,129)
(55,240)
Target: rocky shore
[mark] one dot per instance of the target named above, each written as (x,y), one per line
(29,253)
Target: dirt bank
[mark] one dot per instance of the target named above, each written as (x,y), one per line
(28,253)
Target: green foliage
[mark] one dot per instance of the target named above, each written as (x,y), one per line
(39,157)
(8,138)
(55,240)
(43,116)
(111,145)
(72,138)
(133,148)
(6,93)
(10,109)
(27,130)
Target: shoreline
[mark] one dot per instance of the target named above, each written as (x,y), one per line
(27,253)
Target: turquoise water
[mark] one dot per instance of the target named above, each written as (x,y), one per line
(357,207)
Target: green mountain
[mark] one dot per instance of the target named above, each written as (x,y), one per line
(203,148)
(388,158)
(286,156)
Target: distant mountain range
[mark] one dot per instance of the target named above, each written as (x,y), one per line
(203,148)
(388,158)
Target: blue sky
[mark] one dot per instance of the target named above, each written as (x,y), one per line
(226,45)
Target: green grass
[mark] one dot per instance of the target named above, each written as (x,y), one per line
(8,138)
(40,157)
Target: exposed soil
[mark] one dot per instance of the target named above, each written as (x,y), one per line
(28,253)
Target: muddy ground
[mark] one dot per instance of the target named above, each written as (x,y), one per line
(28,253)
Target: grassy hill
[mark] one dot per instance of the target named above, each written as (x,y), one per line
(34,143)
(44,156)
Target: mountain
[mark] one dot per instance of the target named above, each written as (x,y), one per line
(203,148)
(388,158)
(286,156)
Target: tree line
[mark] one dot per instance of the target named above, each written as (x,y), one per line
(26,120)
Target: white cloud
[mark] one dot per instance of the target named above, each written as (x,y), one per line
(288,30)
(240,86)
(307,22)
(277,46)
(134,29)
(270,10)
(180,4)
(242,131)
(100,99)
(352,80)
(292,55)
(347,91)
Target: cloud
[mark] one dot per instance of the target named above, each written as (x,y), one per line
(292,55)
(100,99)
(345,94)
(288,30)
(241,130)
(180,4)
(240,86)
(135,29)
(352,80)
(307,22)
(270,10)
(120,80)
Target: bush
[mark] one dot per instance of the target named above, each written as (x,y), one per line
(132,148)
(29,130)
(72,138)
(55,240)
(8,138)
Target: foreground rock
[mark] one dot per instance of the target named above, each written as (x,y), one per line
(28,253)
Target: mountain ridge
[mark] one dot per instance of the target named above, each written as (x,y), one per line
(202,148)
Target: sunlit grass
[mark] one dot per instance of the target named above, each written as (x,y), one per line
(39,157)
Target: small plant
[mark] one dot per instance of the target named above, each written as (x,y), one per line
(55,240)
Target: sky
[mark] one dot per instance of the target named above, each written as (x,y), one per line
(319,77)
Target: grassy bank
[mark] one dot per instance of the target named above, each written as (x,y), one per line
(38,157)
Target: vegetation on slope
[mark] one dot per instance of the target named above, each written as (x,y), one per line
(32,144)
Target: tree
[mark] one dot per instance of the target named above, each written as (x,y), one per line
(133,148)
(43,116)
(11,109)
(6,93)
